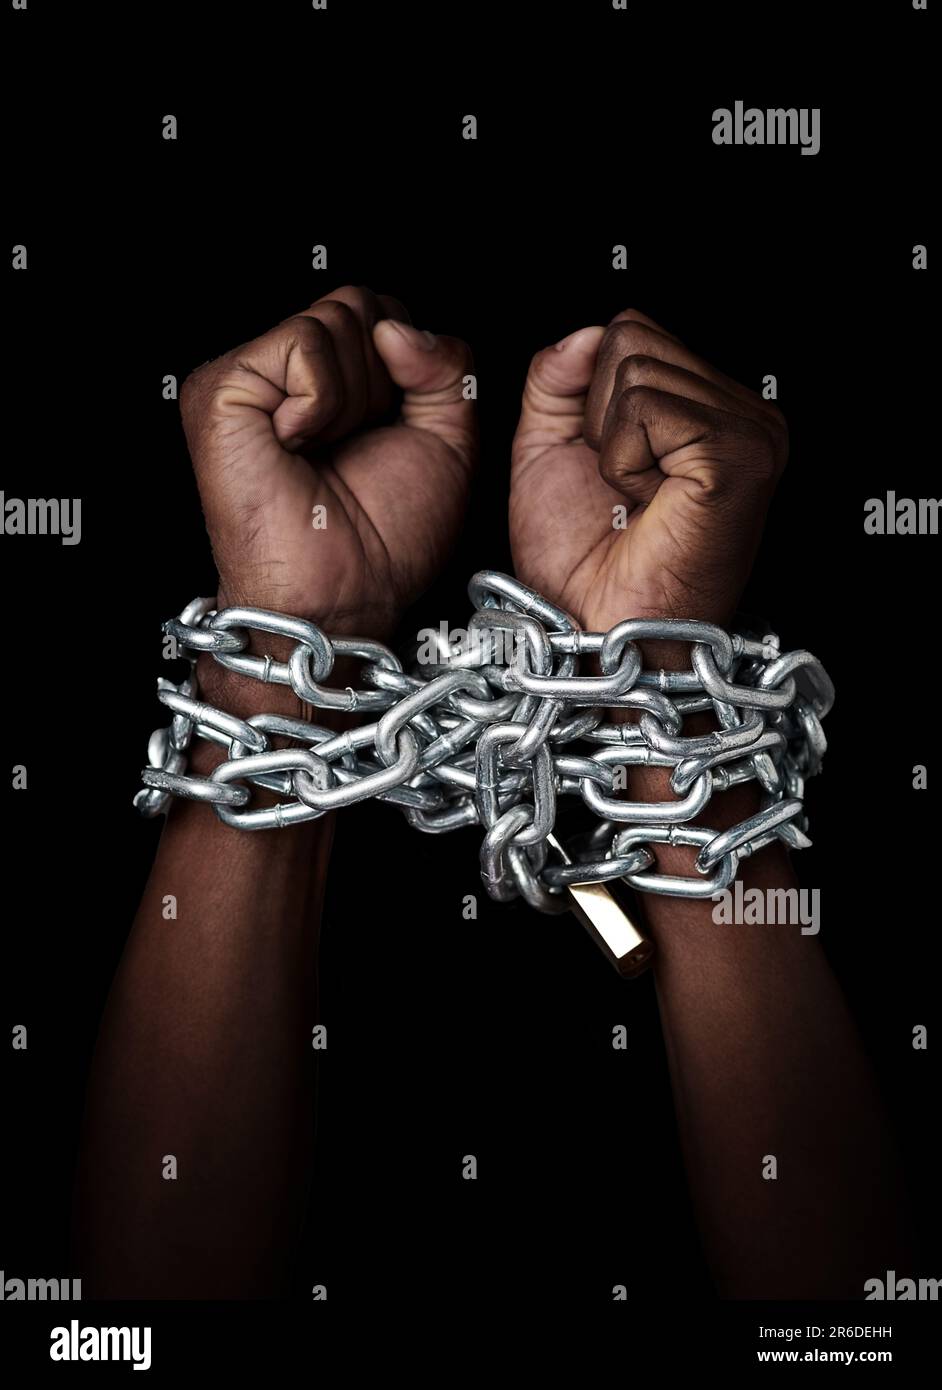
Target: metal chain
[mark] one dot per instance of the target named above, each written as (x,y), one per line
(496,730)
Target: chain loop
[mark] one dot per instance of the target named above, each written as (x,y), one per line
(503,740)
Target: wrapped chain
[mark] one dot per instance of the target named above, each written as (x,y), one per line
(496,730)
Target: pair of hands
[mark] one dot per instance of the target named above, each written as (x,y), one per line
(623,416)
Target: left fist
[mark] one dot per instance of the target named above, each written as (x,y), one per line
(641,477)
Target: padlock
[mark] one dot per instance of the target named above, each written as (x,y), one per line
(608,923)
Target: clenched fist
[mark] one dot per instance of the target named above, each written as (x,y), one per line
(291,423)
(641,477)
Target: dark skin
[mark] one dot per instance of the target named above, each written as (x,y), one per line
(205,1046)
(763,1053)
(204,1051)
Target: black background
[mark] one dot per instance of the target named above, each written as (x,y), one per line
(147,257)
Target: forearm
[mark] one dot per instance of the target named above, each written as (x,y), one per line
(766,1061)
(662,469)
(205,1055)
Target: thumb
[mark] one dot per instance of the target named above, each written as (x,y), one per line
(431,372)
(555,393)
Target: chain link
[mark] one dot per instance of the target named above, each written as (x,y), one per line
(499,743)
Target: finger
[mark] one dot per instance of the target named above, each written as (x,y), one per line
(639,370)
(370,391)
(554,394)
(287,381)
(628,337)
(367,306)
(652,434)
(289,374)
(636,316)
(313,386)
(431,372)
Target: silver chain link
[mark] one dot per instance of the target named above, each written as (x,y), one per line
(494,732)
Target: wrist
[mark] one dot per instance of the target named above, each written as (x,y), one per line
(374,617)
(244,696)
(699,602)
(726,808)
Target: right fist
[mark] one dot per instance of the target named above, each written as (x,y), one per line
(287,424)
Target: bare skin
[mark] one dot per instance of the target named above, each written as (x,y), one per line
(763,1053)
(204,1051)
(289,422)
(205,1048)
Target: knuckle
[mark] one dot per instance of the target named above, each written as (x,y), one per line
(610,471)
(754,447)
(310,331)
(336,315)
(626,315)
(778,421)
(338,296)
(325,391)
(636,370)
(360,301)
(627,338)
(635,399)
(197,387)
(188,390)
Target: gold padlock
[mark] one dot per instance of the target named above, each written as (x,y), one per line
(607,922)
